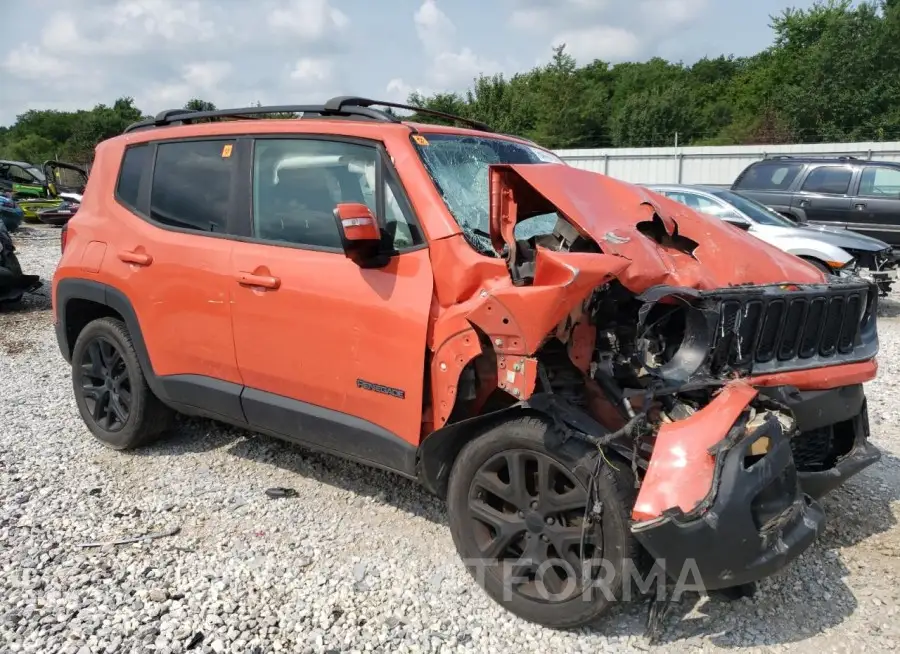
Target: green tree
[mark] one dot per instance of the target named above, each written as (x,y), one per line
(196,104)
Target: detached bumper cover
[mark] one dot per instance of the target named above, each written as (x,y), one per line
(758,522)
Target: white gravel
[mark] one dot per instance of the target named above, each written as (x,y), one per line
(360,560)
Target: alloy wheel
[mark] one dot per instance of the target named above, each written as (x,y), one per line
(105,384)
(528,513)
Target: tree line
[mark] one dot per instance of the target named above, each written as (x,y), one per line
(831,73)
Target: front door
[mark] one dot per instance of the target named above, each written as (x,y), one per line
(331,353)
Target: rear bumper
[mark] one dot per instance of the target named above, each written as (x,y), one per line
(764,515)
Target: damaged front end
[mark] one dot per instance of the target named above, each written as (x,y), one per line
(727,373)
(722,492)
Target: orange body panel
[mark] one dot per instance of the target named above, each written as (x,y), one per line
(180,297)
(681,468)
(331,323)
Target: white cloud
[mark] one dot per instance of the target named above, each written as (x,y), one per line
(449,66)
(600,42)
(306,19)
(206,75)
(312,69)
(199,79)
(602,29)
(435,30)
(165,52)
(30,62)
(450,70)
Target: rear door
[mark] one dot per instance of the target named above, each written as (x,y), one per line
(331,353)
(876,207)
(170,255)
(824,194)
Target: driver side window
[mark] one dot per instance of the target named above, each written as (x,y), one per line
(297,183)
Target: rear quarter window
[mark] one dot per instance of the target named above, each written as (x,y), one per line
(769,176)
(133,162)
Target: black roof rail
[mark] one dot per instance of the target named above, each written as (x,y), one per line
(839,157)
(341,102)
(342,106)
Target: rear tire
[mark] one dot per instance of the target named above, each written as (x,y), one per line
(111,391)
(513,497)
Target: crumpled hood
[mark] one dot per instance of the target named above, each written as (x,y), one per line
(652,231)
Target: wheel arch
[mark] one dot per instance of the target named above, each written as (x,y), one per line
(80,301)
(438,451)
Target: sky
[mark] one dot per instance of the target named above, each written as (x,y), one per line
(74,54)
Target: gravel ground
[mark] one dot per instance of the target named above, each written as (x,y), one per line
(360,560)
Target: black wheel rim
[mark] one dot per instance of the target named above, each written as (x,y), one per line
(105,385)
(528,514)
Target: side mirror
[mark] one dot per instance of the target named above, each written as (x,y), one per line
(360,233)
(740,223)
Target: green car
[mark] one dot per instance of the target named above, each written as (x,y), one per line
(22,179)
(35,189)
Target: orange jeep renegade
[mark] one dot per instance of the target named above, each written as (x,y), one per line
(597,379)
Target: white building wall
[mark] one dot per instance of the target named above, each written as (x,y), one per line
(708,164)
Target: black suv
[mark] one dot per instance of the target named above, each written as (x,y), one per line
(857,194)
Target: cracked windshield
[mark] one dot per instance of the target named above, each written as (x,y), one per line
(458,165)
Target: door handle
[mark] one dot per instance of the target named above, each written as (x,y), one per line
(262,281)
(137,258)
(859,206)
(805,203)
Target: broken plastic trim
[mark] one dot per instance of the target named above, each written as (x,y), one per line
(699,333)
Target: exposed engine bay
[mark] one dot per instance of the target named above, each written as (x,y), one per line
(671,374)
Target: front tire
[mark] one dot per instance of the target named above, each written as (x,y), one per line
(821,265)
(111,391)
(517,515)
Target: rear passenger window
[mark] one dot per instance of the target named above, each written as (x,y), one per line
(769,176)
(133,163)
(192,183)
(833,180)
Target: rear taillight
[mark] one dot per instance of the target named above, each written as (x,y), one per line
(62,238)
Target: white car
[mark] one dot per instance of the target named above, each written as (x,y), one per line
(831,249)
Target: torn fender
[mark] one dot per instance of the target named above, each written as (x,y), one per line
(517,320)
(682,467)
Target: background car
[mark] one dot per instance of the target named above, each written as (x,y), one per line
(857,194)
(830,249)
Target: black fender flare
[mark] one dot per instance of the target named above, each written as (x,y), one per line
(108,296)
(571,426)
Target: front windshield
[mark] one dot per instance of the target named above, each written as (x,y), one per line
(37,173)
(758,213)
(458,165)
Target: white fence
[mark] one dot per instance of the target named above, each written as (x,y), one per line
(708,164)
